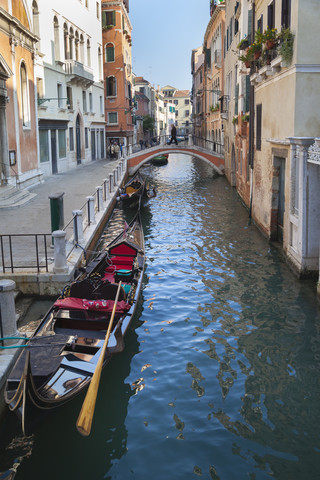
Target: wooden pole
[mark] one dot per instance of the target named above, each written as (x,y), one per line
(84,421)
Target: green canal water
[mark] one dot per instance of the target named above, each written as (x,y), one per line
(220,375)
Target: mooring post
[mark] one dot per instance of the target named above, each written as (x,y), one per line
(8,312)
(77,226)
(91,216)
(100,198)
(60,253)
(111,182)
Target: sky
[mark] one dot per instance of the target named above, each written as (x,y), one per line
(163,36)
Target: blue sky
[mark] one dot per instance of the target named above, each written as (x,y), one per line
(163,36)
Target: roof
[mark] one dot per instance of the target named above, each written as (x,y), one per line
(182,93)
(142,96)
(141,80)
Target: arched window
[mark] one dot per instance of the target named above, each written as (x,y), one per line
(111,86)
(71,40)
(81,48)
(88,53)
(100,63)
(25,107)
(66,41)
(109,52)
(35,18)
(76,46)
(56,38)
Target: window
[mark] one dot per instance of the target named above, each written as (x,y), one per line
(24,96)
(56,39)
(88,53)
(186,113)
(86,138)
(271,15)
(90,102)
(258,126)
(69,98)
(186,102)
(59,95)
(108,18)
(44,146)
(175,102)
(109,52)
(111,86)
(101,105)
(62,143)
(260,24)
(84,101)
(71,139)
(98,10)
(286,14)
(112,118)
(40,87)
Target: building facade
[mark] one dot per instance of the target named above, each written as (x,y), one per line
(117,72)
(19,165)
(197,72)
(70,93)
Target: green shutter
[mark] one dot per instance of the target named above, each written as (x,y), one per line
(208,57)
(250,25)
(236,103)
(247,98)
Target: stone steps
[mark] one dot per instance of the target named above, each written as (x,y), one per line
(11,196)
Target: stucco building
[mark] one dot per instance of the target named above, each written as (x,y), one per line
(117,71)
(19,164)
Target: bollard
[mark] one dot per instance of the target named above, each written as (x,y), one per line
(100,198)
(8,312)
(77,226)
(114,177)
(91,216)
(111,182)
(60,255)
(56,210)
(190,140)
(105,188)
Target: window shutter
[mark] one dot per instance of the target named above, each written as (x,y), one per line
(258,126)
(247,98)
(208,57)
(250,25)
(236,103)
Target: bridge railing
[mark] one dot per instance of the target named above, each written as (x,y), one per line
(208,144)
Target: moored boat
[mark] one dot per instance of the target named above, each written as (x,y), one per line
(61,357)
(133,190)
(160,159)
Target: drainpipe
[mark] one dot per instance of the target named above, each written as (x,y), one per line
(251,119)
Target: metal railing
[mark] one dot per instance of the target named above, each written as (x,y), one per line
(32,248)
(32,251)
(208,144)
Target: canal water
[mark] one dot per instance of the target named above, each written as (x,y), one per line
(220,377)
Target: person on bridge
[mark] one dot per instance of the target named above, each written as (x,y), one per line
(173,135)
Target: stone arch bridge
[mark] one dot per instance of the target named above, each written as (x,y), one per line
(212,153)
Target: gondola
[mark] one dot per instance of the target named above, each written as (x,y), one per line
(60,358)
(160,159)
(133,190)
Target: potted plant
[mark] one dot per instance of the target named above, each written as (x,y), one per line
(256,49)
(243,44)
(286,45)
(270,36)
(235,120)
(247,58)
(245,117)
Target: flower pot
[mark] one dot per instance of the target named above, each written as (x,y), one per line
(247,64)
(270,44)
(256,55)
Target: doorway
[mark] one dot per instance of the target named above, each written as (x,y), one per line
(54,160)
(78,140)
(278,199)
(93,144)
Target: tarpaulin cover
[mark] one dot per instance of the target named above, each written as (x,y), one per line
(72,303)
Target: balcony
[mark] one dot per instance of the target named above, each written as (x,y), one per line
(78,74)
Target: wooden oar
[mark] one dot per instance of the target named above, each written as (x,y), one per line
(84,421)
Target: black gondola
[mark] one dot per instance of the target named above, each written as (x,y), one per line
(132,192)
(60,358)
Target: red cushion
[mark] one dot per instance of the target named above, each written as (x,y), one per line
(72,303)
